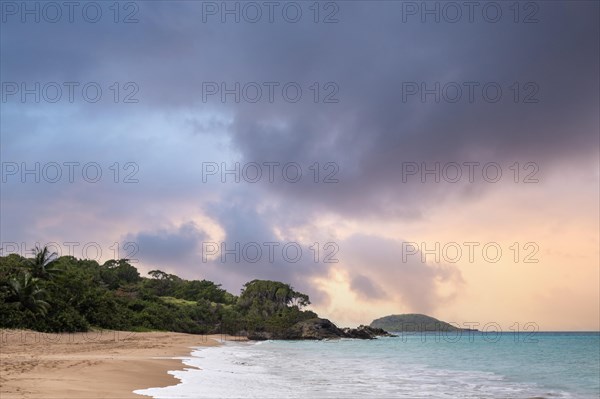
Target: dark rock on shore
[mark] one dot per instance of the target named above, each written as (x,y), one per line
(316,328)
(366,332)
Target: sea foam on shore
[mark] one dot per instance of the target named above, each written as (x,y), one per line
(392,367)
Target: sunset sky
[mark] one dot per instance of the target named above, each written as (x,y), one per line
(387,96)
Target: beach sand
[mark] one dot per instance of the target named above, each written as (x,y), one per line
(104,364)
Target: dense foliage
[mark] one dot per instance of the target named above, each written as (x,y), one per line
(51,294)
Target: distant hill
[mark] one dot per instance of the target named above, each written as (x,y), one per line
(412,323)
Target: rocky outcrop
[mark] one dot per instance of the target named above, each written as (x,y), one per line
(316,328)
(366,332)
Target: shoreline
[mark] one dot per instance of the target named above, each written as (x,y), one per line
(97,364)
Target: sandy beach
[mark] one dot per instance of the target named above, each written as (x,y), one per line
(106,364)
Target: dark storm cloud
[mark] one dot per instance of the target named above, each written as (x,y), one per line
(369,55)
(371,132)
(170,52)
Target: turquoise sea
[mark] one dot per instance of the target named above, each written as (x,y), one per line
(473,365)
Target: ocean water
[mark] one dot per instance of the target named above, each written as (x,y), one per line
(541,365)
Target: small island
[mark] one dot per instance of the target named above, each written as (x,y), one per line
(414,322)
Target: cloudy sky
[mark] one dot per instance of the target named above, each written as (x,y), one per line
(383,157)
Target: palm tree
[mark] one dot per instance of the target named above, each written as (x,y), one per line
(43,264)
(24,290)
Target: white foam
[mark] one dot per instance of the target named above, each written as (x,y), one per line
(316,370)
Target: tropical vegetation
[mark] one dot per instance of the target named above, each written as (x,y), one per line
(64,294)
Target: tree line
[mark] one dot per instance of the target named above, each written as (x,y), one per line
(48,293)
